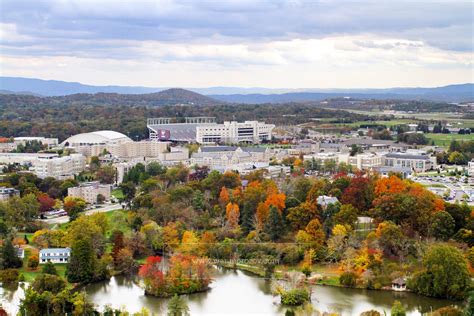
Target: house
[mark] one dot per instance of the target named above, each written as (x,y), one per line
(6,193)
(399,284)
(325,200)
(55,255)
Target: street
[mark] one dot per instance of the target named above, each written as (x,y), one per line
(102,209)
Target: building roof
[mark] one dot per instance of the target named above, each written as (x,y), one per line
(407,156)
(55,250)
(98,137)
(326,200)
(213,149)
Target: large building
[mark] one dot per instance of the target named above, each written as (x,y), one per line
(59,167)
(46,164)
(94,143)
(204,130)
(90,190)
(418,162)
(229,157)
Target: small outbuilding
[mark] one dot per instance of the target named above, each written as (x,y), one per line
(399,284)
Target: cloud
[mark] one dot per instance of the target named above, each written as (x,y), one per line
(236,36)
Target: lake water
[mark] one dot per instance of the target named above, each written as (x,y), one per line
(240,293)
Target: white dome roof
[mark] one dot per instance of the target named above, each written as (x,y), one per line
(93,138)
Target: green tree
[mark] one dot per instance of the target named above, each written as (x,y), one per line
(81,266)
(445,273)
(347,215)
(177,306)
(9,256)
(397,309)
(274,226)
(442,225)
(49,268)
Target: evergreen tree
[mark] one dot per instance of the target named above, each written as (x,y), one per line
(246,218)
(177,307)
(10,256)
(274,226)
(82,263)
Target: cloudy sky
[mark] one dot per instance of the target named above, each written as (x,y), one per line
(245,43)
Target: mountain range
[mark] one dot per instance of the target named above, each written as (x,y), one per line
(450,93)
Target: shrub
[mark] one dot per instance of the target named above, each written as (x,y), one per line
(9,276)
(397,309)
(370,313)
(294,297)
(348,278)
(447,311)
(49,268)
(33,262)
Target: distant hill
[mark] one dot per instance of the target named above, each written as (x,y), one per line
(451,93)
(162,98)
(18,92)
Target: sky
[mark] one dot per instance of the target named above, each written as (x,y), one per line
(240,43)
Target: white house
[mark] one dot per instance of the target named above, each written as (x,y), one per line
(325,200)
(55,255)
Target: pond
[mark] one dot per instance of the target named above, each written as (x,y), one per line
(239,293)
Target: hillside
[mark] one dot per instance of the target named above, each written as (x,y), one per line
(451,93)
(162,98)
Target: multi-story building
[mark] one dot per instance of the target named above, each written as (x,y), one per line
(49,142)
(138,149)
(251,132)
(47,165)
(364,161)
(205,130)
(58,167)
(54,255)
(90,190)
(418,162)
(6,193)
(224,157)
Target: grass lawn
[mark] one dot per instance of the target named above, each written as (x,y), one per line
(445,139)
(118,194)
(30,275)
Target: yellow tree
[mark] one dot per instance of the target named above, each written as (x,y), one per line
(224,196)
(189,243)
(232,215)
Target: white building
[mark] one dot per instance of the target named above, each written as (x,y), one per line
(325,200)
(418,162)
(470,169)
(251,132)
(50,142)
(58,167)
(205,130)
(6,193)
(362,161)
(90,190)
(54,255)
(47,165)
(224,157)
(278,171)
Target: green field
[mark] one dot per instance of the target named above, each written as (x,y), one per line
(445,139)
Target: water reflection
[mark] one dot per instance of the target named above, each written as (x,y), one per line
(241,293)
(237,292)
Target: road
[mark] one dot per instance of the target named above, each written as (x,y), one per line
(102,209)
